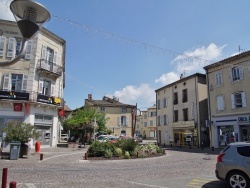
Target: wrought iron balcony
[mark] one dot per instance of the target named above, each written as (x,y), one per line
(47,67)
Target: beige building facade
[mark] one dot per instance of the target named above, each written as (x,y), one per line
(146,123)
(229,100)
(31,90)
(119,115)
(182,112)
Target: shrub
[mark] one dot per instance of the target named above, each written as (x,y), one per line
(108,153)
(98,149)
(118,152)
(127,144)
(126,155)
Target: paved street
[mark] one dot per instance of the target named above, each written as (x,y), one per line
(65,167)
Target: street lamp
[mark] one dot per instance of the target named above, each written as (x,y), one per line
(30,17)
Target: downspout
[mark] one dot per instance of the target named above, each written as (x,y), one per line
(209,110)
(197,111)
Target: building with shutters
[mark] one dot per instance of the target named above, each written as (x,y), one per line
(119,115)
(146,123)
(228,83)
(182,112)
(31,90)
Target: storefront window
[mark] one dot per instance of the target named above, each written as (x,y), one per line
(226,135)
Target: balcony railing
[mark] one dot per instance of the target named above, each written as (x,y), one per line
(30,96)
(49,67)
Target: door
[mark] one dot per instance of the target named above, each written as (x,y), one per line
(45,135)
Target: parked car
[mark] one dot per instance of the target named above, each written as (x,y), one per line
(64,137)
(233,165)
(138,138)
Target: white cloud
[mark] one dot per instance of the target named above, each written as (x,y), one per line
(194,60)
(144,95)
(168,78)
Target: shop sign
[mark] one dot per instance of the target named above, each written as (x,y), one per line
(18,107)
(48,100)
(61,112)
(12,95)
(243,119)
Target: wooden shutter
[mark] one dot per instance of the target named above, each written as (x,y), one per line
(44,51)
(241,70)
(52,91)
(244,101)
(11,47)
(119,120)
(55,57)
(6,82)
(233,101)
(24,84)
(127,120)
(221,77)
(218,102)
(41,81)
(2,44)
(28,50)
(216,79)
(230,76)
(1,75)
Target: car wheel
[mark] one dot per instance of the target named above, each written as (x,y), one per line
(238,180)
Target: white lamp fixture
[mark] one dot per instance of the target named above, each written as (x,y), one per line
(30,17)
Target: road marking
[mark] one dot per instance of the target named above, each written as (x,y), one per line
(148,185)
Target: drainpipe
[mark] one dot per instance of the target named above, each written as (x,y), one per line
(209,110)
(197,112)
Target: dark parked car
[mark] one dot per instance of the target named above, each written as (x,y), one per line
(233,165)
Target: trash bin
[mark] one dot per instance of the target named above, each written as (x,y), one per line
(14,150)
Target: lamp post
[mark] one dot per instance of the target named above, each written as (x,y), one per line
(30,17)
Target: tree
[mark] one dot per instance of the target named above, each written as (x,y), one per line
(82,120)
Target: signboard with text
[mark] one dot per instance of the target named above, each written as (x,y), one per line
(48,100)
(13,95)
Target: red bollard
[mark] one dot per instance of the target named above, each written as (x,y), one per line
(86,156)
(37,147)
(12,184)
(4,177)
(164,151)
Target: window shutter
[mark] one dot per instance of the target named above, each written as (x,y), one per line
(233,101)
(6,82)
(166,119)
(230,76)
(1,75)
(11,47)
(25,79)
(2,44)
(244,101)
(119,120)
(216,79)
(248,68)
(52,92)
(162,120)
(44,49)
(127,120)
(55,57)
(241,72)
(222,103)
(218,102)
(28,50)
(40,85)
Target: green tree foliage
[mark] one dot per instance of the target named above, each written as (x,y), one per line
(18,131)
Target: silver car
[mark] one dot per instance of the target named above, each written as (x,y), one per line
(233,165)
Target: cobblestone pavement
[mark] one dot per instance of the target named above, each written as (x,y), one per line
(66,167)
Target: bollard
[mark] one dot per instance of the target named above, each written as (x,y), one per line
(41,157)
(12,184)
(37,147)
(137,154)
(4,177)
(86,156)
(164,151)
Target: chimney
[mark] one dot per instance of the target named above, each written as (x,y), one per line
(181,76)
(90,97)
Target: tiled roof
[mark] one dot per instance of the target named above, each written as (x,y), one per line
(66,108)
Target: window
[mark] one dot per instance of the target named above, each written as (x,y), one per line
(11,52)
(151,122)
(46,87)
(145,116)
(15,82)
(185,114)
(145,124)
(175,98)
(159,120)
(102,109)
(218,78)
(165,102)
(184,95)
(49,58)
(220,103)
(159,103)
(238,100)
(124,110)
(152,114)
(235,73)
(123,120)
(165,119)
(2,44)
(175,115)
(244,151)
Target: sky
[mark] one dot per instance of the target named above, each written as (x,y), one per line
(130,48)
